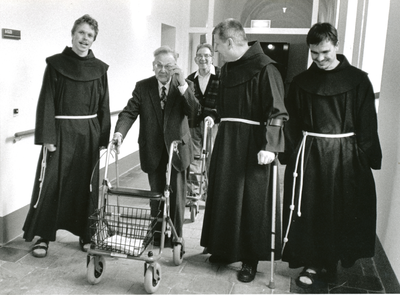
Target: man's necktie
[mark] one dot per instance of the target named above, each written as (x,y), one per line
(163,97)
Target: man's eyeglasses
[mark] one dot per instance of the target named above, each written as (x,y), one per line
(203,56)
(161,66)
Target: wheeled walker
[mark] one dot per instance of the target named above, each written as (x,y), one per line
(124,227)
(198,181)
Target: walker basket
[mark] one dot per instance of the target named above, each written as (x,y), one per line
(123,230)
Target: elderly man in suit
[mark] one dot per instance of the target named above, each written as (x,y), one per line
(164,103)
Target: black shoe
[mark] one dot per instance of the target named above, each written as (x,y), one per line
(218,259)
(157,239)
(247,273)
(167,241)
(84,246)
(330,273)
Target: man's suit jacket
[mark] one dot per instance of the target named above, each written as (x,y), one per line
(157,131)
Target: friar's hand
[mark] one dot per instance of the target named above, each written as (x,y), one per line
(265,157)
(210,121)
(50,147)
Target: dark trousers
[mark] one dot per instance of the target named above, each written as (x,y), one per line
(157,181)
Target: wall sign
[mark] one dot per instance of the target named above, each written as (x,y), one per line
(11,34)
(258,23)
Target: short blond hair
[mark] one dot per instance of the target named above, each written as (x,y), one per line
(90,21)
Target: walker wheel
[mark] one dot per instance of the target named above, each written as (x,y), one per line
(152,278)
(95,268)
(178,252)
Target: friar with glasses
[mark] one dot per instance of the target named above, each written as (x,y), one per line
(72,122)
(331,146)
(164,103)
(206,86)
(237,218)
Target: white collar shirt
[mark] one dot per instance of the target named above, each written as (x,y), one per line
(203,80)
(160,86)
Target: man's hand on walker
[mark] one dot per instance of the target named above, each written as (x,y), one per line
(265,157)
(117,140)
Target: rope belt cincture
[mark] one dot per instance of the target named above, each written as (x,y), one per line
(250,122)
(42,173)
(76,117)
(273,122)
(44,158)
(301,152)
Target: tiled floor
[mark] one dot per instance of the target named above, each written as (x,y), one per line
(63,271)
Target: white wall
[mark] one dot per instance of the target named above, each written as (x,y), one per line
(388,179)
(130,30)
(350,25)
(375,41)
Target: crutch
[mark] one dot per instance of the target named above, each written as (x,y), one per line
(204,157)
(271,284)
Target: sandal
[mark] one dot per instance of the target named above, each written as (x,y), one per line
(84,247)
(309,273)
(40,248)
